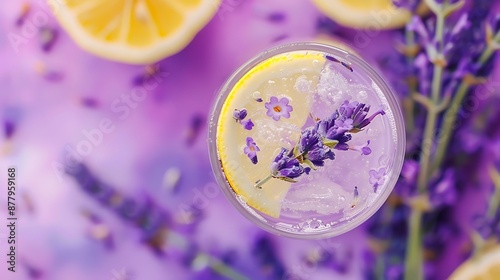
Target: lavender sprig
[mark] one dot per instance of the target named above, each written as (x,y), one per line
(441,51)
(153,221)
(317,142)
(493,44)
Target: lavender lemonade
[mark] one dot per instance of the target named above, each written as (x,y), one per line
(306,140)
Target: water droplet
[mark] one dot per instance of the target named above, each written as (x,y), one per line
(315,62)
(362,95)
(315,224)
(171,178)
(271,82)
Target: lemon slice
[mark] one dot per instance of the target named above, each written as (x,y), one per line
(133,31)
(484,267)
(364,14)
(276,77)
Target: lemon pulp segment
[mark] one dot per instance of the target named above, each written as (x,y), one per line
(133,31)
(273,77)
(364,14)
(485,266)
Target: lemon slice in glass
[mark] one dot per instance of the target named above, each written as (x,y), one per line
(272,78)
(133,31)
(485,267)
(364,14)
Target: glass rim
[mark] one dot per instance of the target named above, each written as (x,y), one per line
(393,103)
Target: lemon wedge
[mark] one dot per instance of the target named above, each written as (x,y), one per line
(485,267)
(134,31)
(364,14)
(275,77)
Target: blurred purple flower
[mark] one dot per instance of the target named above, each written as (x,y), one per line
(424,69)
(471,140)
(189,216)
(278,108)
(151,72)
(89,102)
(195,125)
(148,217)
(276,17)
(48,36)
(449,1)
(377,178)
(265,254)
(251,150)
(410,170)
(443,230)
(444,191)
(483,225)
(9,128)
(394,272)
(25,11)
(51,75)
(325,25)
(332,258)
(364,149)
(417,25)
(128,209)
(406,4)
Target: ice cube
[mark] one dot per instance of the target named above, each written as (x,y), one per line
(322,196)
(303,85)
(274,132)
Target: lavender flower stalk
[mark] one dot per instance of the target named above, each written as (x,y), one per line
(316,143)
(445,55)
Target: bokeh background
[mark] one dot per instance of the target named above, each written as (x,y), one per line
(145,205)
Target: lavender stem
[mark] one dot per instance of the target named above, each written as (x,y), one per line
(222,269)
(261,182)
(413,262)
(451,114)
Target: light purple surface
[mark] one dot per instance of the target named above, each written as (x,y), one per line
(143,146)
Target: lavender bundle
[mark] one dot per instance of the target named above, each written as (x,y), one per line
(316,143)
(442,59)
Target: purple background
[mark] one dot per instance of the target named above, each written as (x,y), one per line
(51,108)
